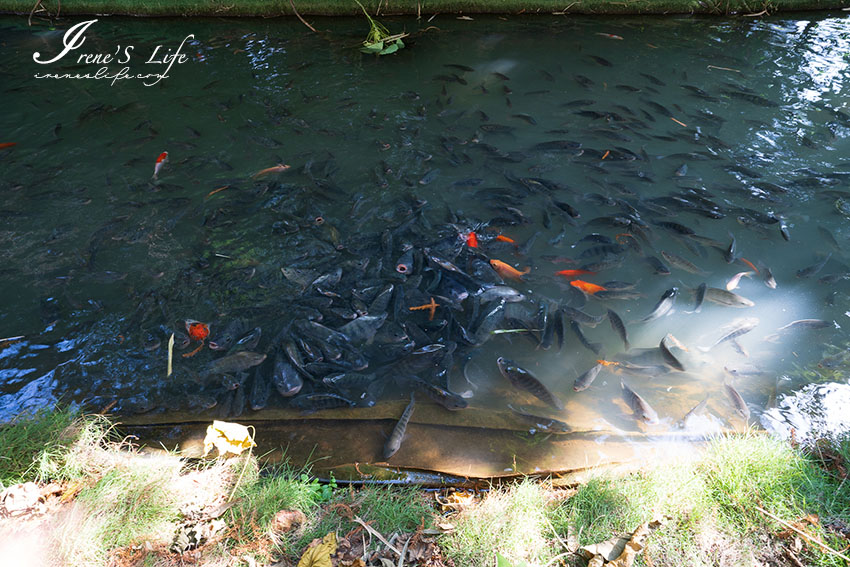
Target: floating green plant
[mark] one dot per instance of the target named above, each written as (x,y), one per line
(380,40)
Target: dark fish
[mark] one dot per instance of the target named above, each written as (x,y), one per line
(581,317)
(658,266)
(557,146)
(737,401)
(238,362)
(393,444)
(258,397)
(285,377)
(362,330)
(681,263)
(250,340)
(601,60)
(813,269)
(225,339)
(664,305)
(639,406)
(464,68)
(735,329)
(699,297)
(404,265)
(799,324)
(429,177)
(619,327)
(309,403)
(729,253)
(525,117)
(685,421)
(585,380)
(596,348)
(445,398)
(540,423)
(669,358)
(524,380)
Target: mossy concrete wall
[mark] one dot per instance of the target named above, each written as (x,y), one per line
(265,8)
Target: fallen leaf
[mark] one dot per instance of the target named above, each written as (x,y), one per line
(319,555)
(619,551)
(228,438)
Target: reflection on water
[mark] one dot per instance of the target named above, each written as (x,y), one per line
(603,172)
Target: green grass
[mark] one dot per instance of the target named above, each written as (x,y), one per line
(511,521)
(127,505)
(32,446)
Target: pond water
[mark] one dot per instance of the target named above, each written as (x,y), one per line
(650,154)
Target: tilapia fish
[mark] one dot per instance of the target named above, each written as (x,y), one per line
(524,380)
(641,408)
(238,362)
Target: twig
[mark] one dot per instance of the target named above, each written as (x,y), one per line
(403,552)
(372,531)
(803,534)
(303,21)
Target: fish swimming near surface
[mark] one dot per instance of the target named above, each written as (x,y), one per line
(540,423)
(393,444)
(585,380)
(664,305)
(638,405)
(160,163)
(279,168)
(507,271)
(737,401)
(524,380)
(587,287)
(685,421)
(734,330)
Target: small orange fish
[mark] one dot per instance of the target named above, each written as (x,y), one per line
(750,264)
(502,238)
(507,271)
(571,273)
(160,161)
(587,287)
(275,169)
(607,363)
(472,240)
(5,145)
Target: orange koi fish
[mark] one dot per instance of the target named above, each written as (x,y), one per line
(750,264)
(472,240)
(5,145)
(607,363)
(160,161)
(587,287)
(274,169)
(507,271)
(571,273)
(502,238)
(197,331)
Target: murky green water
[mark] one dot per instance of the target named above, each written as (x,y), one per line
(533,128)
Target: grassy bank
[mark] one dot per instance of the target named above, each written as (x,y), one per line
(101,501)
(264,8)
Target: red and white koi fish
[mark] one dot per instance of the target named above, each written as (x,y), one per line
(160,161)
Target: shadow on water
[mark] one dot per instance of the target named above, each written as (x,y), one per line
(639,155)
